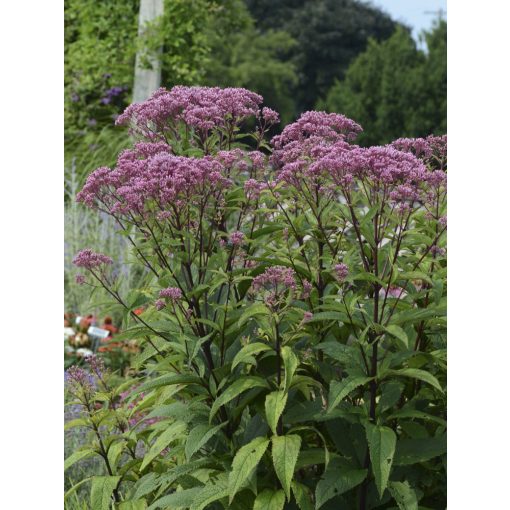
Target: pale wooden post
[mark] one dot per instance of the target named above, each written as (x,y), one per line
(147,80)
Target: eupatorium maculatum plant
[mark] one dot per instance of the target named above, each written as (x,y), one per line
(293,338)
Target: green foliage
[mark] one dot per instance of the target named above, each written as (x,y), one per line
(394,89)
(99,54)
(322,392)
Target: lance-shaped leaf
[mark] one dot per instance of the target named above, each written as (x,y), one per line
(135,504)
(177,500)
(404,496)
(336,481)
(416,373)
(248,351)
(290,362)
(211,492)
(102,490)
(338,390)
(275,404)
(166,437)
(269,500)
(244,463)
(381,444)
(241,385)
(77,456)
(198,437)
(302,495)
(285,454)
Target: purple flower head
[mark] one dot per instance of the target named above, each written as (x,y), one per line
(341,272)
(96,365)
(236,238)
(443,221)
(201,108)
(321,125)
(79,380)
(172,293)
(92,122)
(436,251)
(80,279)
(270,116)
(159,304)
(307,289)
(75,97)
(307,317)
(90,260)
(275,278)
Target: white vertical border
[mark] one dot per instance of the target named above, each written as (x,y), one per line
(479,261)
(31,235)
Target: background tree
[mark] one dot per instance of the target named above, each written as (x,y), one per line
(329,34)
(395,89)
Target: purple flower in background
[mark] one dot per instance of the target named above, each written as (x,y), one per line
(275,276)
(77,379)
(96,365)
(106,76)
(159,304)
(172,293)
(75,97)
(236,238)
(307,289)
(90,260)
(80,279)
(307,316)
(92,122)
(270,116)
(341,272)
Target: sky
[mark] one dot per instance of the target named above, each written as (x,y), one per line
(413,12)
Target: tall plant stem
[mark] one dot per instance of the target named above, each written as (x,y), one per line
(374,341)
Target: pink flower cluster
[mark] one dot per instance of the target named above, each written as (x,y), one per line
(428,149)
(275,276)
(90,260)
(149,173)
(236,238)
(201,108)
(341,272)
(328,126)
(172,293)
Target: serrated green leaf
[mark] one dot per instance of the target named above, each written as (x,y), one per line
(336,481)
(136,504)
(302,495)
(381,444)
(248,351)
(327,316)
(269,500)
(398,333)
(274,405)
(404,496)
(416,373)
(245,461)
(290,363)
(338,390)
(101,491)
(285,454)
(114,452)
(166,437)
(198,437)
(167,380)
(178,500)
(413,451)
(210,492)
(77,456)
(252,311)
(239,386)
